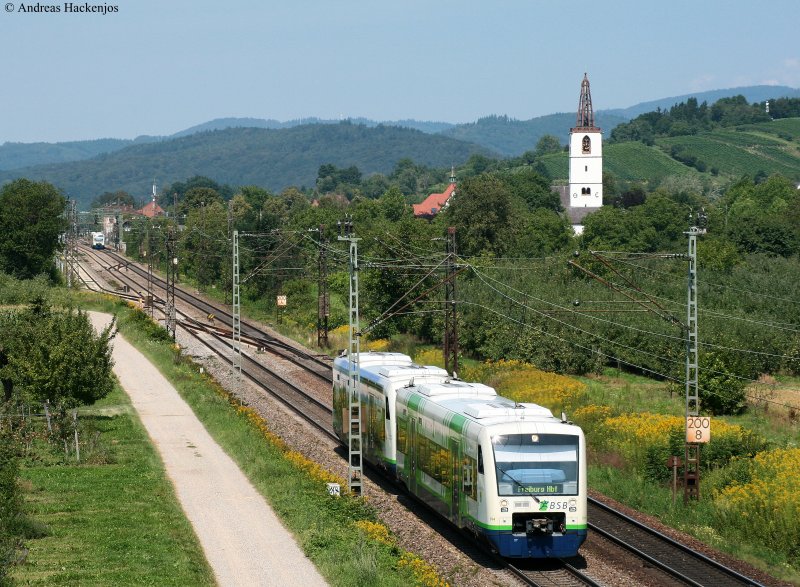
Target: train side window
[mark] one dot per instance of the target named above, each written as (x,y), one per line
(388,417)
(480,460)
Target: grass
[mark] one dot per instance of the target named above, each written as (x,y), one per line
(611,475)
(696,520)
(323,525)
(115,523)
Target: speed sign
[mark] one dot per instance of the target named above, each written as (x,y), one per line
(698,429)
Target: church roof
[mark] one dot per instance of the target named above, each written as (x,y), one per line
(431,205)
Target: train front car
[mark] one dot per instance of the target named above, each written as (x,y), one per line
(510,473)
(98,240)
(535,482)
(381,375)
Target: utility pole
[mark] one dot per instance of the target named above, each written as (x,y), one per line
(236,322)
(117,221)
(691,469)
(71,246)
(323,301)
(149,254)
(354,468)
(450,316)
(172,269)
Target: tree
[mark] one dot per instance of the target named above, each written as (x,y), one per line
(481,213)
(205,240)
(119,197)
(57,357)
(533,188)
(547,144)
(394,204)
(721,391)
(31,223)
(198,197)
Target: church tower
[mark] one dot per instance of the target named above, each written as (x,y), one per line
(585,155)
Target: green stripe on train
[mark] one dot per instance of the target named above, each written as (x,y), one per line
(415,401)
(457,423)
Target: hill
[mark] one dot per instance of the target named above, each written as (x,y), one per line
(511,137)
(273,159)
(631,161)
(17,155)
(764,148)
(751,93)
(225,123)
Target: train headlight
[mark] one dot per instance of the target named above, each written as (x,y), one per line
(503,503)
(534,438)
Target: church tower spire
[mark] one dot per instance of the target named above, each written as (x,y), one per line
(585,118)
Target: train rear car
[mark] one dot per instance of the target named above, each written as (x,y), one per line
(510,473)
(381,374)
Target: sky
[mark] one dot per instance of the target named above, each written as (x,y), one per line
(149,67)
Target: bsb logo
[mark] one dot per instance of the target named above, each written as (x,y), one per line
(543,506)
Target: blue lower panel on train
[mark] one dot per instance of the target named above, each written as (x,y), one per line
(542,546)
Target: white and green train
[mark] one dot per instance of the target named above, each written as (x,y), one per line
(510,473)
(381,374)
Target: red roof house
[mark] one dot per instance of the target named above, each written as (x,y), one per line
(151,210)
(431,205)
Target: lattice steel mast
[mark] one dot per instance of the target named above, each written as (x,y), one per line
(450,315)
(354,465)
(236,322)
(691,469)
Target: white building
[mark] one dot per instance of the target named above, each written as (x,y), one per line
(585,155)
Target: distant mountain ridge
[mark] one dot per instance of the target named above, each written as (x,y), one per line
(751,93)
(271,158)
(224,123)
(504,135)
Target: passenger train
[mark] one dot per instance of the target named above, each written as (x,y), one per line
(510,473)
(98,240)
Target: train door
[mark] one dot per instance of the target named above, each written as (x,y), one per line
(412,452)
(366,422)
(455,472)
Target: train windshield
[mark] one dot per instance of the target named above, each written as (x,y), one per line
(536,464)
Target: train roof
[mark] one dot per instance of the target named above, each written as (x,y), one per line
(397,367)
(456,388)
(459,400)
(371,358)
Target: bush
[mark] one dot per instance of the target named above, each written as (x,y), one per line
(10,506)
(766,503)
(721,392)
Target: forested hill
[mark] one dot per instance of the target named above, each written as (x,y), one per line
(272,159)
(511,137)
(16,155)
(225,123)
(751,94)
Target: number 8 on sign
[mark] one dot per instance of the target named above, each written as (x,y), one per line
(698,429)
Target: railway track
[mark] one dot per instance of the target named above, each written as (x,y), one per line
(556,573)
(656,549)
(317,365)
(316,413)
(661,551)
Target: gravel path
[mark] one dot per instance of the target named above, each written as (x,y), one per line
(243,541)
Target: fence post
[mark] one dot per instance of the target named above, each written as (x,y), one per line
(47,415)
(77,446)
